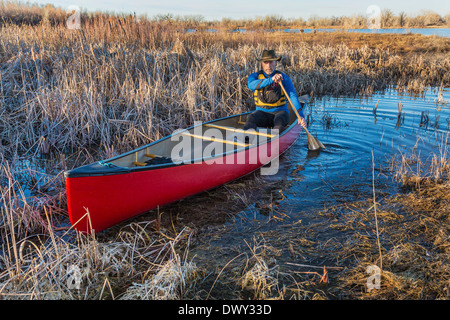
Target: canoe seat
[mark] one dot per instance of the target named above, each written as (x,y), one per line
(153,161)
(158,160)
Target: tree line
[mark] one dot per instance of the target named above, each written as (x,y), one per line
(33,14)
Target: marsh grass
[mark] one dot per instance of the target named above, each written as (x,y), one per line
(56,265)
(42,258)
(101,88)
(69,97)
(414,171)
(170,283)
(414,244)
(258,279)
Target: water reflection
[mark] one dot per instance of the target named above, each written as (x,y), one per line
(387,124)
(440,32)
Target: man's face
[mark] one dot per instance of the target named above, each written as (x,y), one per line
(268,66)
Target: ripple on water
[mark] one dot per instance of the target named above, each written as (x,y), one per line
(352,130)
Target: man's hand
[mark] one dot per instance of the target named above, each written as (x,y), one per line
(302,122)
(277,78)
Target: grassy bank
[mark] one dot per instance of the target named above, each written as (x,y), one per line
(68,97)
(171,254)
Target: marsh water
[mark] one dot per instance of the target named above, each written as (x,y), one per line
(360,134)
(365,140)
(440,32)
(364,147)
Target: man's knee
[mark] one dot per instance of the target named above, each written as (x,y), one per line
(253,120)
(250,125)
(279,128)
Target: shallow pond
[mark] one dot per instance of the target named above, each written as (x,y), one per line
(365,141)
(440,32)
(357,137)
(364,138)
(364,148)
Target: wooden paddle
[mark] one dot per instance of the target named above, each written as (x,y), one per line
(313,143)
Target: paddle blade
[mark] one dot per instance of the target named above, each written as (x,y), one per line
(313,143)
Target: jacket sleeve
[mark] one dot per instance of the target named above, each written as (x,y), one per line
(290,91)
(253,81)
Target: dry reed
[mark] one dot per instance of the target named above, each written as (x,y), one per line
(63,89)
(75,96)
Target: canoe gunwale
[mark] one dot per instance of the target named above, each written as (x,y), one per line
(105,167)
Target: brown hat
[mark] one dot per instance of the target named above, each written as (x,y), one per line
(269,55)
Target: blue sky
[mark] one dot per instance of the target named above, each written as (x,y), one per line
(216,9)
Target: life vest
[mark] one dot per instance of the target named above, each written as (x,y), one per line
(268,97)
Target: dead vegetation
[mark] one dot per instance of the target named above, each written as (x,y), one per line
(66,90)
(334,256)
(64,94)
(68,97)
(415,237)
(32,14)
(336,252)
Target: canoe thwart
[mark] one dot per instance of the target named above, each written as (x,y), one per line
(241,121)
(240,144)
(241,130)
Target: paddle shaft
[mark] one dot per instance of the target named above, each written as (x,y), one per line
(289,99)
(313,143)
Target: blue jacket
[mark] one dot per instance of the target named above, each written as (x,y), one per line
(287,84)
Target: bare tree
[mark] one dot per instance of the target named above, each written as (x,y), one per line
(402,19)
(387,18)
(431,18)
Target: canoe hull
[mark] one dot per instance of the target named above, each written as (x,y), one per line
(98,202)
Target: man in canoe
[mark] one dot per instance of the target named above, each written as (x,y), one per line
(270,100)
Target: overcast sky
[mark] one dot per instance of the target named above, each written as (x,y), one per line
(216,10)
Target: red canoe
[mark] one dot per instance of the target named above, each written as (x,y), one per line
(207,155)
